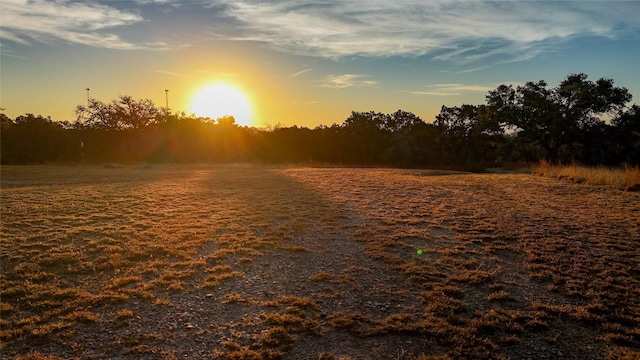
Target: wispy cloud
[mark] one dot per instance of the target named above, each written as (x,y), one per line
(472,33)
(296,74)
(446,30)
(8,35)
(4,51)
(347,80)
(453,89)
(161,2)
(435,93)
(167,72)
(25,21)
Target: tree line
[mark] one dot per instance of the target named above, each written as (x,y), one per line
(580,120)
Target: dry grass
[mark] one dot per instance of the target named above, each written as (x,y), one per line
(627,178)
(241,262)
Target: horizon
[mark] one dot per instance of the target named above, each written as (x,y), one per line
(303,63)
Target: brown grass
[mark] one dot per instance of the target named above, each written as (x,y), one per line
(242,262)
(626,178)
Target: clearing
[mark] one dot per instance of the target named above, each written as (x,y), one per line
(252,262)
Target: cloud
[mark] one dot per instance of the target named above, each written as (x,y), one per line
(25,21)
(453,89)
(435,93)
(4,51)
(161,2)
(296,74)
(347,80)
(471,33)
(461,30)
(7,35)
(167,72)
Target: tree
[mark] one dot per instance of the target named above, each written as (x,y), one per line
(626,135)
(502,104)
(227,120)
(97,115)
(583,102)
(6,125)
(34,139)
(541,130)
(401,121)
(366,122)
(135,114)
(367,136)
(472,134)
(560,124)
(458,121)
(404,148)
(123,113)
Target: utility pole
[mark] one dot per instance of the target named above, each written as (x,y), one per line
(88,98)
(166,98)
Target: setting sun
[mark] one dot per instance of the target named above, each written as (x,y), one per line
(218,100)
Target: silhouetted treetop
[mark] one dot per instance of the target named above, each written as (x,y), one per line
(123,113)
(579,120)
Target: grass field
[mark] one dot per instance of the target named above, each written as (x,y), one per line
(625,178)
(248,262)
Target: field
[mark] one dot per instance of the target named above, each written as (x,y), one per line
(248,262)
(627,178)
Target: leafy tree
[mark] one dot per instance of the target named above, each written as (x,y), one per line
(6,145)
(560,124)
(626,135)
(333,144)
(431,142)
(583,102)
(97,115)
(404,147)
(135,114)
(123,113)
(534,116)
(366,122)
(367,136)
(34,139)
(528,122)
(502,104)
(458,121)
(401,121)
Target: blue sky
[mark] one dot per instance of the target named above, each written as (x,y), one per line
(306,63)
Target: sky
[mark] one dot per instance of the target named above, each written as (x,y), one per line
(305,63)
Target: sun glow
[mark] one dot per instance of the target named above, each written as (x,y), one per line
(218,100)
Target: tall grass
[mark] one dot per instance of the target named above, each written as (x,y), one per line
(627,178)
